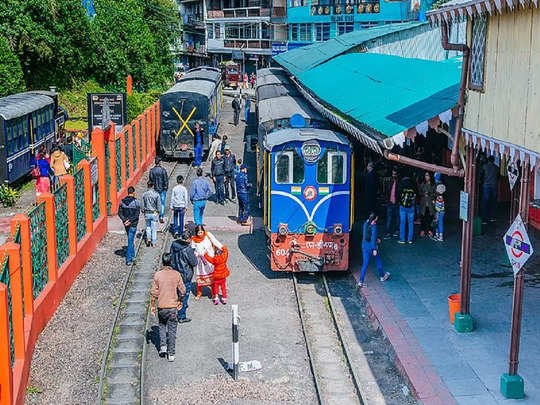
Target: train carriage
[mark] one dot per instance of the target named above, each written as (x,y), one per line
(197,97)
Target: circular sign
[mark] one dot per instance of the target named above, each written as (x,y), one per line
(311,151)
(518,236)
(310,193)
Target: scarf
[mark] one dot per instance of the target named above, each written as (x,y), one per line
(198,239)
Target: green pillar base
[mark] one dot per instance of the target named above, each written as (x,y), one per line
(512,386)
(463,322)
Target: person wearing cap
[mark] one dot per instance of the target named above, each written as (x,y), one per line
(158,176)
(242,190)
(236,109)
(228,166)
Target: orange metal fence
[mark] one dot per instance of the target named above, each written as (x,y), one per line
(34,281)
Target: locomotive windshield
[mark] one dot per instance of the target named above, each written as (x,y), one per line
(331,167)
(289,167)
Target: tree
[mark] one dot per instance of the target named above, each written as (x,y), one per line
(10,70)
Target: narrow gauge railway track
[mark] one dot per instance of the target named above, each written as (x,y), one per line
(334,377)
(122,364)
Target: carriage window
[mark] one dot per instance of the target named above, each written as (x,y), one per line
(332,167)
(289,167)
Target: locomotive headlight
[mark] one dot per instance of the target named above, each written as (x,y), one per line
(338,229)
(283,229)
(310,228)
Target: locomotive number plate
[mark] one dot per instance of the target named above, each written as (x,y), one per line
(311,151)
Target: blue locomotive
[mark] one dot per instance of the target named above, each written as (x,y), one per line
(304,179)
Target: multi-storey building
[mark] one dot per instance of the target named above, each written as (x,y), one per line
(240,30)
(192,52)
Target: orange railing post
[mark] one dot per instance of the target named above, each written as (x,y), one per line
(137,153)
(113,196)
(144,143)
(17,317)
(131,147)
(50,225)
(72,214)
(22,222)
(6,376)
(85,165)
(98,150)
(158,119)
(123,146)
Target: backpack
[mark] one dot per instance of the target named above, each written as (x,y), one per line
(407,197)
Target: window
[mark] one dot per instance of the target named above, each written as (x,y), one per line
(294,32)
(210,31)
(332,167)
(478,53)
(241,31)
(297,3)
(322,31)
(345,27)
(217,31)
(289,167)
(301,32)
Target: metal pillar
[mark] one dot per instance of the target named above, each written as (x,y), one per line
(235,344)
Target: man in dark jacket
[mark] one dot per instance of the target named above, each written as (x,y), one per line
(129,212)
(236,107)
(242,189)
(228,166)
(370,189)
(218,175)
(183,260)
(158,176)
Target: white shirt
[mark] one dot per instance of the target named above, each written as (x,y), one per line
(214,146)
(179,197)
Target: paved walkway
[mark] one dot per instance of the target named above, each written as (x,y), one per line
(415,299)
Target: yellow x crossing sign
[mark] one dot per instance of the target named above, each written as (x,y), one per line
(185,122)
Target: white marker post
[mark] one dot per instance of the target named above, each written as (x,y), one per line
(235,344)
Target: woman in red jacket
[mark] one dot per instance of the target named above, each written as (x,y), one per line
(221,272)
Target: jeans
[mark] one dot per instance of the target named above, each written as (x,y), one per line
(489,202)
(440,224)
(220,192)
(162,196)
(230,182)
(392,220)
(198,150)
(236,116)
(151,227)
(243,207)
(178,219)
(130,254)
(182,312)
(167,328)
(198,211)
(246,115)
(366,255)
(406,215)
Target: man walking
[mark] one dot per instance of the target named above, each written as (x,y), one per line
(129,212)
(183,260)
(229,166)
(392,207)
(158,176)
(199,193)
(218,174)
(179,199)
(490,177)
(223,144)
(151,206)
(236,109)
(165,287)
(242,189)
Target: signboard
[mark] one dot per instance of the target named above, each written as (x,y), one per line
(311,151)
(295,45)
(463,206)
(106,107)
(517,243)
(513,174)
(342,18)
(237,55)
(278,47)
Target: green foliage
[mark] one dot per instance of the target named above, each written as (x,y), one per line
(8,195)
(138,102)
(12,80)
(74,99)
(439,3)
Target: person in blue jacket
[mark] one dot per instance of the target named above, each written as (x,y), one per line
(198,150)
(242,190)
(369,248)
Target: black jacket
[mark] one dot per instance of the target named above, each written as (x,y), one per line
(158,176)
(229,163)
(218,167)
(183,259)
(129,210)
(236,105)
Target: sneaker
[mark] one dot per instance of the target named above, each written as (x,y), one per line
(385,277)
(422,234)
(148,243)
(440,238)
(409,242)
(387,236)
(184,320)
(198,296)
(224,301)
(492,220)
(216,301)
(129,263)
(161,220)
(171,357)
(484,222)
(401,242)
(396,234)
(430,234)
(163,351)
(361,284)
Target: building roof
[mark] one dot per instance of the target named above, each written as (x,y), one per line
(307,57)
(276,90)
(302,134)
(18,105)
(382,93)
(455,10)
(204,87)
(285,107)
(203,73)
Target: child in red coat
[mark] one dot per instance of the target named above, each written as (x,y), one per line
(221,272)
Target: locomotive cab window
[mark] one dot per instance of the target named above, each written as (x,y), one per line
(289,167)
(332,167)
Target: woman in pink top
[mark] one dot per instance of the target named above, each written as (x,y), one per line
(245,80)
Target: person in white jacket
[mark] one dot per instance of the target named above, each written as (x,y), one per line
(214,147)
(179,200)
(204,242)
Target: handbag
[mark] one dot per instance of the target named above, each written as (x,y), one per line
(36,172)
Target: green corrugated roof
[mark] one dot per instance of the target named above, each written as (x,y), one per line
(388,94)
(301,59)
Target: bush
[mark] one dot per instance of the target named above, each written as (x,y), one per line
(8,195)
(138,102)
(74,99)
(11,74)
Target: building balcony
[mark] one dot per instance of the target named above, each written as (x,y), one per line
(248,43)
(195,21)
(242,12)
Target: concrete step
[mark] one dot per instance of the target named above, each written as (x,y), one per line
(134,319)
(123,375)
(136,339)
(131,330)
(137,296)
(125,359)
(128,346)
(135,308)
(126,393)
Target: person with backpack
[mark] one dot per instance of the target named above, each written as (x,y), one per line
(407,198)
(369,248)
(129,212)
(158,176)
(184,260)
